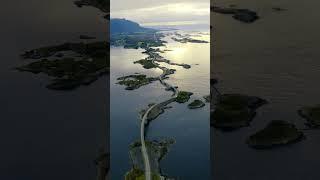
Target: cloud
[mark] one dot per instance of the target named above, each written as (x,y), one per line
(184,11)
(117,5)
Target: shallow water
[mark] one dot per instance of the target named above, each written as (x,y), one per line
(190,128)
(276,58)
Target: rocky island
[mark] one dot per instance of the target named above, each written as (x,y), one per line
(243,15)
(233,111)
(70,64)
(183,96)
(133,82)
(276,133)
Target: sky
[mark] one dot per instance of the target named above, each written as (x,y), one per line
(163,12)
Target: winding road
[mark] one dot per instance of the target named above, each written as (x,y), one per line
(144,150)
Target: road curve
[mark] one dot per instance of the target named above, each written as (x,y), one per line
(144,151)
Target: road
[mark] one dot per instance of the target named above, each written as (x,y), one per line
(144,151)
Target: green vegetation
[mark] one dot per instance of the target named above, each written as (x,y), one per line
(312,115)
(147,64)
(157,150)
(89,63)
(135,81)
(137,174)
(234,111)
(183,96)
(277,132)
(196,104)
(93,50)
(142,40)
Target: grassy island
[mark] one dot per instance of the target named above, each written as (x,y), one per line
(147,64)
(276,133)
(133,82)
(233,111)
(183,96)
(87,64)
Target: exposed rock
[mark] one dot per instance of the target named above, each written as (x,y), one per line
(276,133)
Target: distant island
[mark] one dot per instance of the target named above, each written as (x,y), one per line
(118,25)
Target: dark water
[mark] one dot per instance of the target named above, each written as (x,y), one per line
(47,134)
(276,58)
(189,157)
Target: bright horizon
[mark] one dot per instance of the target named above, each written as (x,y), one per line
(164,13)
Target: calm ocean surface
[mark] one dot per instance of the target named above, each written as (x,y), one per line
(275,58)
(189,157)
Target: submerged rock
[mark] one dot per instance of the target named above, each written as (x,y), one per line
(276,133)
(183,96)
(234,111)
(312,115)
(196,104)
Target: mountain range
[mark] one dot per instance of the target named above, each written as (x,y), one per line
(118,25)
